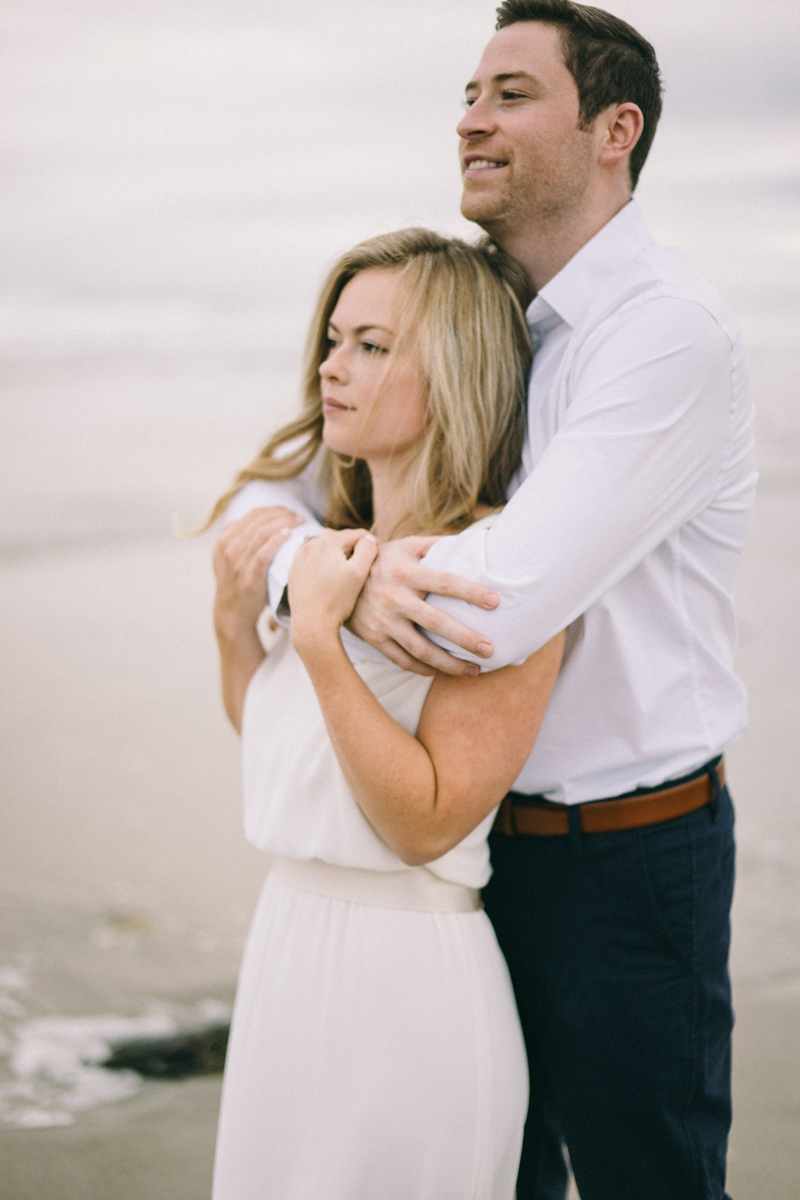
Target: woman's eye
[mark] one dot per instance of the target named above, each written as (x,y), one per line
(373,348)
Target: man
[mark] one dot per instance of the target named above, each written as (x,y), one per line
(627,528)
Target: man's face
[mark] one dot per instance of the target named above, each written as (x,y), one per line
(523,157)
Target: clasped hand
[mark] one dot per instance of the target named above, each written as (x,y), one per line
(242,557)
(325,580)
(388,608)
(392,609)
(379,591)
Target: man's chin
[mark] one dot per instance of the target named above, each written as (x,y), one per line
(483,210)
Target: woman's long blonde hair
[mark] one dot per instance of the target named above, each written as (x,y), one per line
(468,310)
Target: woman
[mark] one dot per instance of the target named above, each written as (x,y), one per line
(375,1048)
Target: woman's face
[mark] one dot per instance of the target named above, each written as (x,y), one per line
(374,407)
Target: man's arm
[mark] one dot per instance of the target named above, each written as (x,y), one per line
(637,454)
(300,496)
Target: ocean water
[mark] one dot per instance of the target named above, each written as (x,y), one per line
(178,176)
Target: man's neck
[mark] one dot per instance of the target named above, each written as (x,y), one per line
(544,247)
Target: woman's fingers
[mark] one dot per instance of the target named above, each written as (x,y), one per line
(326,577)
(262,557)
(242,556)
(274,512)
(364,553)
(348,539)
(257,523)
(246,538)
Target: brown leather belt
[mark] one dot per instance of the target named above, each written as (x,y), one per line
(523,815)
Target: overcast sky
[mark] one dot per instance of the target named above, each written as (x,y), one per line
(230,146)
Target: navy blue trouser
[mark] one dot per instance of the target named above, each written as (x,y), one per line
(617,945)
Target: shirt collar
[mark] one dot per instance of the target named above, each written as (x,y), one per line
(569,294)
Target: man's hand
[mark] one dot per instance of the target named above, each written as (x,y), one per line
(393,602)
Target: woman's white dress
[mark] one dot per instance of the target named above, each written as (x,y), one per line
(375,1050)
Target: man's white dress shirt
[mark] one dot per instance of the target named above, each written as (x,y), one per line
(626,524)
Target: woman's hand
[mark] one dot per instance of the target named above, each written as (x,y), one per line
(325,580)
(242,556)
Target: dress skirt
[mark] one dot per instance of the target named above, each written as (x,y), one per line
(375,1054)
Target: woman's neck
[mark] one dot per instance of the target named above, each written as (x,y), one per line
(390,498)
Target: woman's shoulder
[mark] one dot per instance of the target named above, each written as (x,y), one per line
(484,516)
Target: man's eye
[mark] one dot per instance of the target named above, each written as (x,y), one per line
(509,95)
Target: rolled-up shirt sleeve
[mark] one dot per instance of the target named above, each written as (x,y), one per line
(637,453)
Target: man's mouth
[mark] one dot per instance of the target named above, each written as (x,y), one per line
(483,164)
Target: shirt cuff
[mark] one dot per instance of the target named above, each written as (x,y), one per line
(279,571)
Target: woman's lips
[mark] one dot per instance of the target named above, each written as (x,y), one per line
(334,406)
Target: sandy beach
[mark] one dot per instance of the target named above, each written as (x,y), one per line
(171,209)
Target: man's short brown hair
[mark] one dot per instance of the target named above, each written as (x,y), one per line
(610,62)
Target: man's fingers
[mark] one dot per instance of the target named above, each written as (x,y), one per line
(443,583)
(445,626)
(396,653)
(423,651)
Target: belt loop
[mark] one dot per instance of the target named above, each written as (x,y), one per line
(575,831)
(715,789)
(511,824)
(504,822)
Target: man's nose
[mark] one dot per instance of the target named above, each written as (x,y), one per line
(477,121)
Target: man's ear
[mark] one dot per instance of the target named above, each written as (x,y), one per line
(620,128)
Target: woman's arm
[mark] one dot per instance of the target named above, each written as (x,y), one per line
(423,794)
(242,556)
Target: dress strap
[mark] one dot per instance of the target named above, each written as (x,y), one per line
(416,889)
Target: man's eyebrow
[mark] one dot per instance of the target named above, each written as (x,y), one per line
(503,78)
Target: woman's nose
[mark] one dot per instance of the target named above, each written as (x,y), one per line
(333,367)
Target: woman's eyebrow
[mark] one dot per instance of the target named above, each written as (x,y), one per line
(363,329)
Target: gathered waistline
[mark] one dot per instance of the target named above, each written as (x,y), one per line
(415,889)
